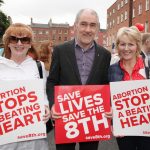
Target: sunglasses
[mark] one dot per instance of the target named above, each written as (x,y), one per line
(23,40)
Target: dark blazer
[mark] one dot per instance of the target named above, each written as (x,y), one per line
(64,69)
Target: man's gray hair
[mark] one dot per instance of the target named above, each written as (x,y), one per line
(93,12)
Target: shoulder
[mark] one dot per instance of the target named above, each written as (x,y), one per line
(101,49)
(115,68)
(64,45)
(115,72)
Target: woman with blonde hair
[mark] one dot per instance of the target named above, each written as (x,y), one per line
(130,67)
(18,65)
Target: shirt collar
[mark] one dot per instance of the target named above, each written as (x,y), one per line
(84,50)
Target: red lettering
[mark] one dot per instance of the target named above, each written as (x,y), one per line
(37,114)
(32,96)
(118,105)
(21,98)
(7,126)
(125,122)
(10,103)
(28,119)
(1,110)
(18,123)
(145,97)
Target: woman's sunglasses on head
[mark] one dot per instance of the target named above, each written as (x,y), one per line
(23,40)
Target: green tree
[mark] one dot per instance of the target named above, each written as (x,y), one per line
(4,22)
(1,2)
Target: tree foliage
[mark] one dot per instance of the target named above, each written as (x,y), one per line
(1,2)
(4,22)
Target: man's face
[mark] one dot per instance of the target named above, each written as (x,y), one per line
(86,29)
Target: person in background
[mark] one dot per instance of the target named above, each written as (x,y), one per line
(130,67)
(146,49)
(18,65)
(114,57)
(80,61)
(45,54)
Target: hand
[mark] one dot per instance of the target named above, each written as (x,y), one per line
(54,114)
(47,114)
(109,114)
(117,136)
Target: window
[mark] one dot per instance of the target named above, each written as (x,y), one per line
(121,17)
(147,5)
(113,22)
(118,6)
(65,31)
(34,32)
(121,3)
(110,13)
(107,15)
(54,31)
(107,25)
(126,1)
(110,24)
(40,32)
(53,37)
(59,38)
(140,9)
(118,20)
(46,32)
(133,15)
(60,31)
(65,38)
(113,11)
(125,15)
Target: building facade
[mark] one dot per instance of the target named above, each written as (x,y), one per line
(126,13)
(57,33)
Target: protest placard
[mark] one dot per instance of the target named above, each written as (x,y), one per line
(21,111)
(82,109)
(131,107)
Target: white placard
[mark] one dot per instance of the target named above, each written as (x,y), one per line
(131,107)
(21,110)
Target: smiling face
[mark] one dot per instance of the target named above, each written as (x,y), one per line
(86,27)
(127,48)
(128,43)
(17,40)
(19,46)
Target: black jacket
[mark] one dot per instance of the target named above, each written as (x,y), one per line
(64,69)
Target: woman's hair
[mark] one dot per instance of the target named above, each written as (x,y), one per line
(133,33)
(33,52)
(45,53)
(16,29)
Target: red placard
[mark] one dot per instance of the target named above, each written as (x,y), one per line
(82,109)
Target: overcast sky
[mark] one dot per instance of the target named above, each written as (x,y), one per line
(60,11)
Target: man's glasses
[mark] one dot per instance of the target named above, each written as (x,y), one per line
(23,40)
